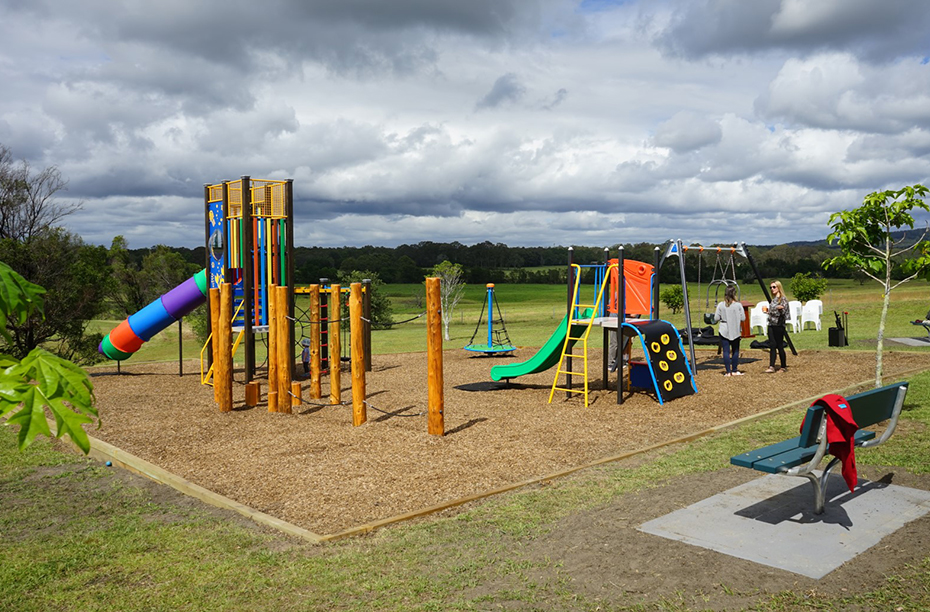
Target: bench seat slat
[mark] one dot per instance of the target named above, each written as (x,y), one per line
(749,459)
(791,458)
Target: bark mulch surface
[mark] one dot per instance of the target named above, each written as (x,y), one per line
(314,469)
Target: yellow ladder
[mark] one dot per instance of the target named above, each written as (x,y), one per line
(205,376)
(589,312)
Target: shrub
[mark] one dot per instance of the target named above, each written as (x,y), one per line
(673,297)
(804,287)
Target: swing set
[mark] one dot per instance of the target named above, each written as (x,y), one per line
(725,265)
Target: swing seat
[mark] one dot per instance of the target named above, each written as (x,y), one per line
(489,350)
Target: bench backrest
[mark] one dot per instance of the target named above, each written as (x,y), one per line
(875,406)
(811,428)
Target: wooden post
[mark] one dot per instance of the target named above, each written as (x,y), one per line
(335,345)
(215,334)
(357,327)
(366,313)
(316,390)
(222,374)
(434,357)
(272,349)
(253,393)
(285,353)
(296,393)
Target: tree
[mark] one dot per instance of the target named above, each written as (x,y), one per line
(451,289)
(673,297)
(75,276)
(129,293)
(804,287)
(41,380)
(865,237)
(381,314)
(77,279)
(27,200)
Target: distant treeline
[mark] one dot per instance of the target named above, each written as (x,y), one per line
(498,263)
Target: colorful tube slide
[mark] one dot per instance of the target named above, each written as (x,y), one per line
(126,338)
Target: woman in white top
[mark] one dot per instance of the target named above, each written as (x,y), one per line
(730,314)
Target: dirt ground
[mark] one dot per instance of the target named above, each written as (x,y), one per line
(313,469)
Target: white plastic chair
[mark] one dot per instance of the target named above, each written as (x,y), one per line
(757,318)
(810,314)
(794,316)
(819,305)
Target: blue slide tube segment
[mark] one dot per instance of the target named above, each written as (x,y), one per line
(150,320)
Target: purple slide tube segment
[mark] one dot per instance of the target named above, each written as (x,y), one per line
(181,300)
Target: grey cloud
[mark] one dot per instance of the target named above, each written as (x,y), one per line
(687,131)
(879,30)
(506,88)
(556,99)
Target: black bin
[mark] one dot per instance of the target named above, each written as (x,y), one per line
(837,336)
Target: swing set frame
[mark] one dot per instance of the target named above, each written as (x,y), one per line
(678,249)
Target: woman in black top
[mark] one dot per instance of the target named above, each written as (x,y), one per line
(778,314)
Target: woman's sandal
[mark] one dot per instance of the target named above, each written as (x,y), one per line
(770,371)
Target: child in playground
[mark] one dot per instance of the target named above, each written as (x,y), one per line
(730,314)
(778,314)
(305,356)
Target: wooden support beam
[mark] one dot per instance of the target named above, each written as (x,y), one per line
(222,369)
(357,327)
(335,345)
(316,387)
(296,394)
(284,352)
(273,315)
(435,407)
(215,333)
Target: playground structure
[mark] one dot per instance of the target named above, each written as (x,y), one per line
(498,341)
(248,284)
(665,370)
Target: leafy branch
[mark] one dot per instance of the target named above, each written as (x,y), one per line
(40,380)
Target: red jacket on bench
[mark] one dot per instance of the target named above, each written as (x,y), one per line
(841,432)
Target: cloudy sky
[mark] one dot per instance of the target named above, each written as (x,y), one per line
(528,122)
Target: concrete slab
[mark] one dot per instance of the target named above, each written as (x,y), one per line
(770,521)
(912,341)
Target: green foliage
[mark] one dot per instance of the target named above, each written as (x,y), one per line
(137,282)
(674,298)
(381,312)
(19,299)
(804,287)
(865,236)
(77,280)
(41,380)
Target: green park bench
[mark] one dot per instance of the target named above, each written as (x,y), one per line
(801,455)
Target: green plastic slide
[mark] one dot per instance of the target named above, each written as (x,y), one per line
(548,356)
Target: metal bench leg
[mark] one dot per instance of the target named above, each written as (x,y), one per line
(820,485)
(818,492)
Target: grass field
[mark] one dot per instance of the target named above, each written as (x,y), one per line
(531,313)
